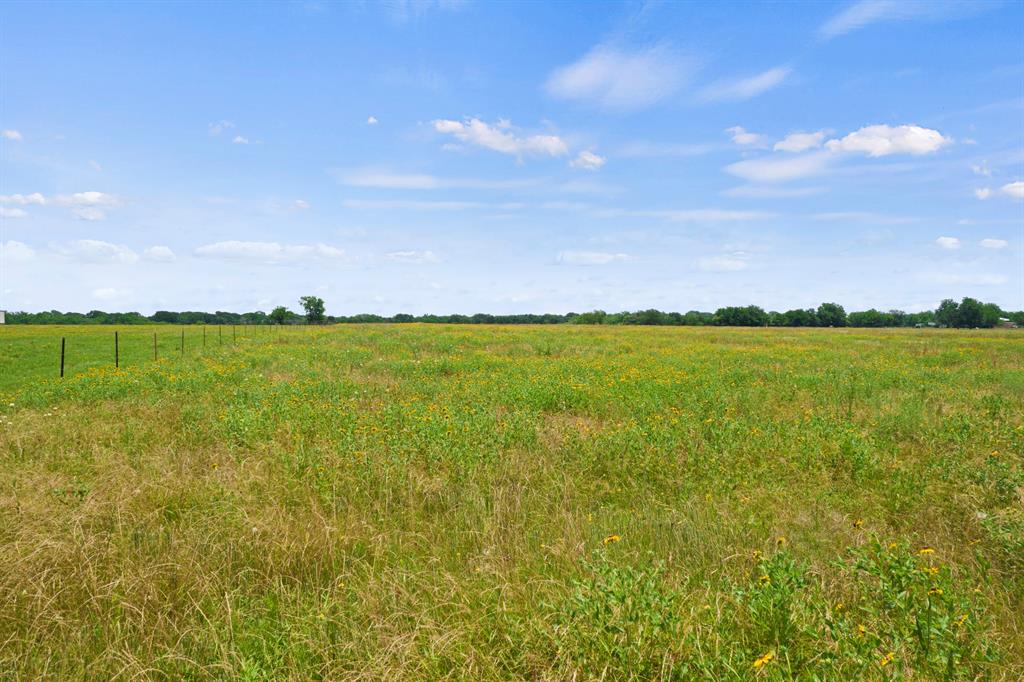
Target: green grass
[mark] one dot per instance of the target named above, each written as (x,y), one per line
(425,502)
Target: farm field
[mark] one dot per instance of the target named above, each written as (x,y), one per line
(485,502)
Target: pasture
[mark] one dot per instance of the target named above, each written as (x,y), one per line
(483,502)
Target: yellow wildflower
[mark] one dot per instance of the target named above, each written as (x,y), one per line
(924,551)
(610,539)
(765,580)
(935,590)
(887,659)
(764,660)
(859,523)
(781,541)
(960,621)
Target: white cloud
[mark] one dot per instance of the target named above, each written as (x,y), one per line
(588,161)
(617,79)
(499,138)
(416,257)
(800,142)
(16,251)
(966,278)
(23,199)
(90,213)
(371,121)
(220,126)
(755,192)
(382,179)
(160,254)
(408,204)
(1013,189)
(240,140)
(730,263)
(746,139)
(865,12)
(745,88)
(590,257)
(948,243)
(883,140)
(300,204)
(11,135)
(88,199)
(12,212)
(683,215)
(95,251)
(983,193)
(773,169)
(110,293)
(269,252)
(651,149)
(994,243)
(863,217)
(981,170)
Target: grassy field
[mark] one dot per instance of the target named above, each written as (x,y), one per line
(427,502)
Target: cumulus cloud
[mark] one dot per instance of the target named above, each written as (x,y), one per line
(948,243)
(95,251)
(220,126)
(981,169)
(800,142)
(588,161)
(88,199)
(883,140)
(745,88)
(744,138)
(371,121)
(90,213)
(730,263)
(772,169)
(983,193)
(12,212)
(300,204)
(160,254)
(994,243)
(11,135)
(415,257)
(500,138)
(1013,189)
(110,293)
(16,251)
(618,79)
(383,179)
(270,252)
(590,257)
(23,199)
(240,140)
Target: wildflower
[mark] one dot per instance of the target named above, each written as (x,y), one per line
(935,590)
(756,555)
(924,551)
(862,631)
(780,541)
(839,606)
(887,659)
(859,523)
(765,580)
(960,621)
(764,660)
(610,539)
(893,545)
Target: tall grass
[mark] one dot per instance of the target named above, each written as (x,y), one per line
(424,502)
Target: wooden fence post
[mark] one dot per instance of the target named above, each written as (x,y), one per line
(154,345)
(62,357)
(117,357)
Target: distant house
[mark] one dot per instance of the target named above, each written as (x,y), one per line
(1004,323)
(3,317)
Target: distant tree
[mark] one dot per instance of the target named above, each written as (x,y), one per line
(800,318)
(747,316)
(946,313)
(831,315)
(279,315)
(314,307)
(990,314)
(969,313)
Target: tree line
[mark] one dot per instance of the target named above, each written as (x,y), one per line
(968,313)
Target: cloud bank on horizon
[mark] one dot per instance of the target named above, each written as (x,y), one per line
(469,157)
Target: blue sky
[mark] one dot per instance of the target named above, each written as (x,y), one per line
(510,157)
